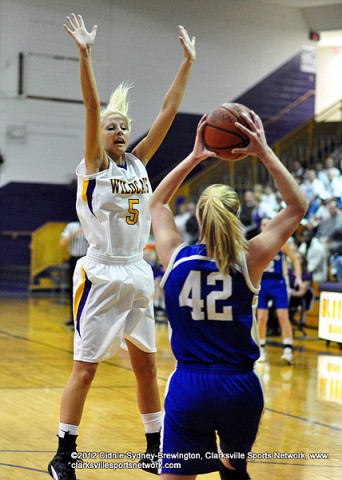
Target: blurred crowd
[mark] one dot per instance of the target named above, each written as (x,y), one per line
(317,241)
(319,237)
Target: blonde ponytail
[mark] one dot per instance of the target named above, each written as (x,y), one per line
(220,228)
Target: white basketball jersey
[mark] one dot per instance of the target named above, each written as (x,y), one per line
(113,207)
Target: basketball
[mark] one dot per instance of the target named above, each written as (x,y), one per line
(221,135)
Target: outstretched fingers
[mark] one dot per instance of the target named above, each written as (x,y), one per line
(73,22)
(80,21)
(200,151)
(188,45)
(253,121)
(255,133)
(77,30)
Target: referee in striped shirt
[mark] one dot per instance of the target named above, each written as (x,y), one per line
(73,237)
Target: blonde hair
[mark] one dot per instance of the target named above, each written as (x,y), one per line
(217,211)
(118,103)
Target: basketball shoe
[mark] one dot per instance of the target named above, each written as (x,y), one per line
(263,356)
(149,460)
(287,355)
(60,467)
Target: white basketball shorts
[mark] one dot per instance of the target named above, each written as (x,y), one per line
(113,301)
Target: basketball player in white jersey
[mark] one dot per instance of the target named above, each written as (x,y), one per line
(113,285)
(210,297)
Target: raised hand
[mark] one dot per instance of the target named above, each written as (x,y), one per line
(79,33)
(188,45)
(200,151)
(258,144)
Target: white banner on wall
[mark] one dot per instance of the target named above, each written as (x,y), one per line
(330,316)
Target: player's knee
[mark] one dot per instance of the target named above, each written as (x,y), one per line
(86,375)
(228,474)
(262,316)
(146,371)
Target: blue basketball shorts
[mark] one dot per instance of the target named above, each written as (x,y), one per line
(273,289)
(201,404)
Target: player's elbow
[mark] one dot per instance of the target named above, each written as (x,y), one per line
(169,110)
(300,207)
(303,207)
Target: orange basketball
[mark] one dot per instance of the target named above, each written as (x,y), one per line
(221,135)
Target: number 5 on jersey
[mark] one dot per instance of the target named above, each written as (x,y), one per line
(133,216)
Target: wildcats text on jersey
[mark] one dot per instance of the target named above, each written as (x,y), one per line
(120,186)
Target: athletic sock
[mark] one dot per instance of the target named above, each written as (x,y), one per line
(67,428)
(152,421)
(288,342)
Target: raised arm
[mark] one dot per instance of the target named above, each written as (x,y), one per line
(164,228)
(171,103)
(264,247)
(95,154)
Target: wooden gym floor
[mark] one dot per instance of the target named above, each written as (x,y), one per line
(300,437)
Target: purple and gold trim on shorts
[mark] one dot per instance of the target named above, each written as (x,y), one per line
(81,296)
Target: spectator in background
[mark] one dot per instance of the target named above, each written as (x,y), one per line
(268,206)
(269,195)
(322,212)
(249,214)
(191,232)
(334,183)
(298,169)
(323,175)
(316,255)
(182,215)
(312,189)
(319,167)
(247,210)
(73,238)
(336,263)
(311,186)
(258,190)
(329,232)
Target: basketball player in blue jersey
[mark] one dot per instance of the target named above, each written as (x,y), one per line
(274,286)
(113,284)
(211,294)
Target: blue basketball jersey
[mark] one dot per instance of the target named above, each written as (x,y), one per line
(212,316)
(275,268)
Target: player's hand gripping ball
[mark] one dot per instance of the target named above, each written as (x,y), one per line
(221,135)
